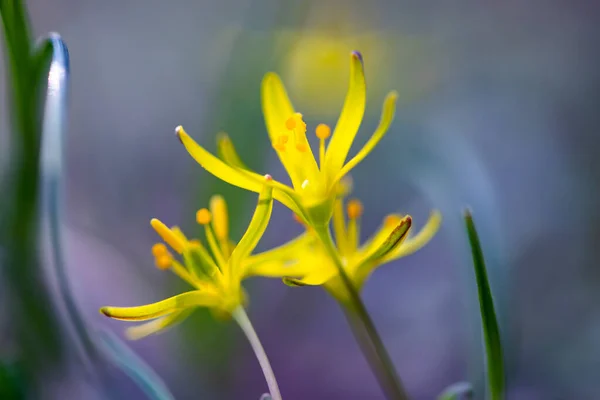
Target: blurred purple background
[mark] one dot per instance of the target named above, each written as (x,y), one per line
(498,111)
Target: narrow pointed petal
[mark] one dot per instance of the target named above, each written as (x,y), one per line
(259,264)
(316,278)
(374,241)
(157,325)
(277,108)
(393,240)
(215,166)
(387,116)
(230,155)
(350,118)
(155,310)
(374,258)
(414,243)
(339,227)
(227,152)
(236,176)
(255,230)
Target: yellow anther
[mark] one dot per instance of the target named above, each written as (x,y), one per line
(298,219)
(323,131)
(195,242)
(291,123)
(164,261)
(203,216)
(354,209)
(302,147)
(218,207)
(159,249)
(168,235)
(279,146)
(392,221)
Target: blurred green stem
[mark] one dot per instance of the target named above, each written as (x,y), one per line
(244,322)
(363,327)
(36,327)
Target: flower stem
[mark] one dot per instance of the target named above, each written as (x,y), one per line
(244,322)
(363,327)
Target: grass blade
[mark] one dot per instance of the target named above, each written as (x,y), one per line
(491,332)
(124,358)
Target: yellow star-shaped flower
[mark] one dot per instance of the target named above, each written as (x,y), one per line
(215,272)
(310,264)
(313,191)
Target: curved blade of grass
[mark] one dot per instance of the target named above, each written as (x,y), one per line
(124,358)
(51,170)
(491,332)
(36,326)
(457,391)
(52,166)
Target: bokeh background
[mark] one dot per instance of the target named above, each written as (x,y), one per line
(498,111)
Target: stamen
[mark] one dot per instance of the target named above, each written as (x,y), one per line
(203,216)
(168,235)
(268,177)
(290,124)
(354,209)
(298,219)
(323,131)
(298,126)
(279,147)
(302,147)
(164,261)
(159,249)
(218,208)
(281,142)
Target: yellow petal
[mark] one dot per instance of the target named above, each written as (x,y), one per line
(220,223)
(350,118)
(215,166)
(255,230)
(157,325)
(317,277)
(394,239)
(227,152)
(377,239)
(387,116)
(238,177)
(155,310)
(339,227)
(414,243)
(286,254)
(373,259)
(277,108)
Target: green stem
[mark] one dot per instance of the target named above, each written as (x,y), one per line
(363,327)
(244,322)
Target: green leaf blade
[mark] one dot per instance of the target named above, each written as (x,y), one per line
(491,331)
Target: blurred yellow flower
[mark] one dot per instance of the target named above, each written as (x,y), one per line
(314,180)
(216,275)
(313,265)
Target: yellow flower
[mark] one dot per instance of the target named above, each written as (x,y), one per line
(214,273)
(314,181)
(313,265)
